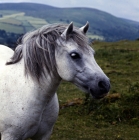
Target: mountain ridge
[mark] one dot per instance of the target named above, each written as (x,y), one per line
(104,24)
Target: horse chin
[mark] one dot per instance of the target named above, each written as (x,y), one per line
(95,94)
(98,97)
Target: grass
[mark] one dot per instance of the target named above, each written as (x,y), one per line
(120,62)
(11,28)
(18,22)
(11,21)
(8,12)
(115,117)
(96,37)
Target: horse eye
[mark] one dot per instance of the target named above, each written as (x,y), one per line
(75,55)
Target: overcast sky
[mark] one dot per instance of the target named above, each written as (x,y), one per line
(128,9)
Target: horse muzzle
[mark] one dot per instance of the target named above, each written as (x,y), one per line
(100,90)
(97,84)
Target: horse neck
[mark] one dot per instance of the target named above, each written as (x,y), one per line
(49,84)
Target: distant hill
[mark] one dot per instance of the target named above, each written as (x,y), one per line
(22,17)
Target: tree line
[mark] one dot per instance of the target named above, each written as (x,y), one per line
(9,39)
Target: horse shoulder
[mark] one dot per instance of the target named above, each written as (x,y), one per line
(5,54)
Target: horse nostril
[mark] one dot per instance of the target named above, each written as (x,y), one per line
(103,86)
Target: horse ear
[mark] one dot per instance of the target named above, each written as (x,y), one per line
(67,31)
(84,29)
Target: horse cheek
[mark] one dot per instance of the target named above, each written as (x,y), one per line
(66,70)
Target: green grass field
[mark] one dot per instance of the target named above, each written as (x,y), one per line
(18,22)
(11,28)
(115,117)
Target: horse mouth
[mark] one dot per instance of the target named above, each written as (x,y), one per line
(97,92)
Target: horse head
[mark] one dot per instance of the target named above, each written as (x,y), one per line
(75,62)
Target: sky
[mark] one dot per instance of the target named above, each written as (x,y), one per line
(128,9)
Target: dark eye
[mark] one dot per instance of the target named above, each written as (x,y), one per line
(75,55)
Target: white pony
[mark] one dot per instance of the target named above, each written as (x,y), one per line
(29,80)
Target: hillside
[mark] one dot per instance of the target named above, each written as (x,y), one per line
(102,24)
(19,23)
